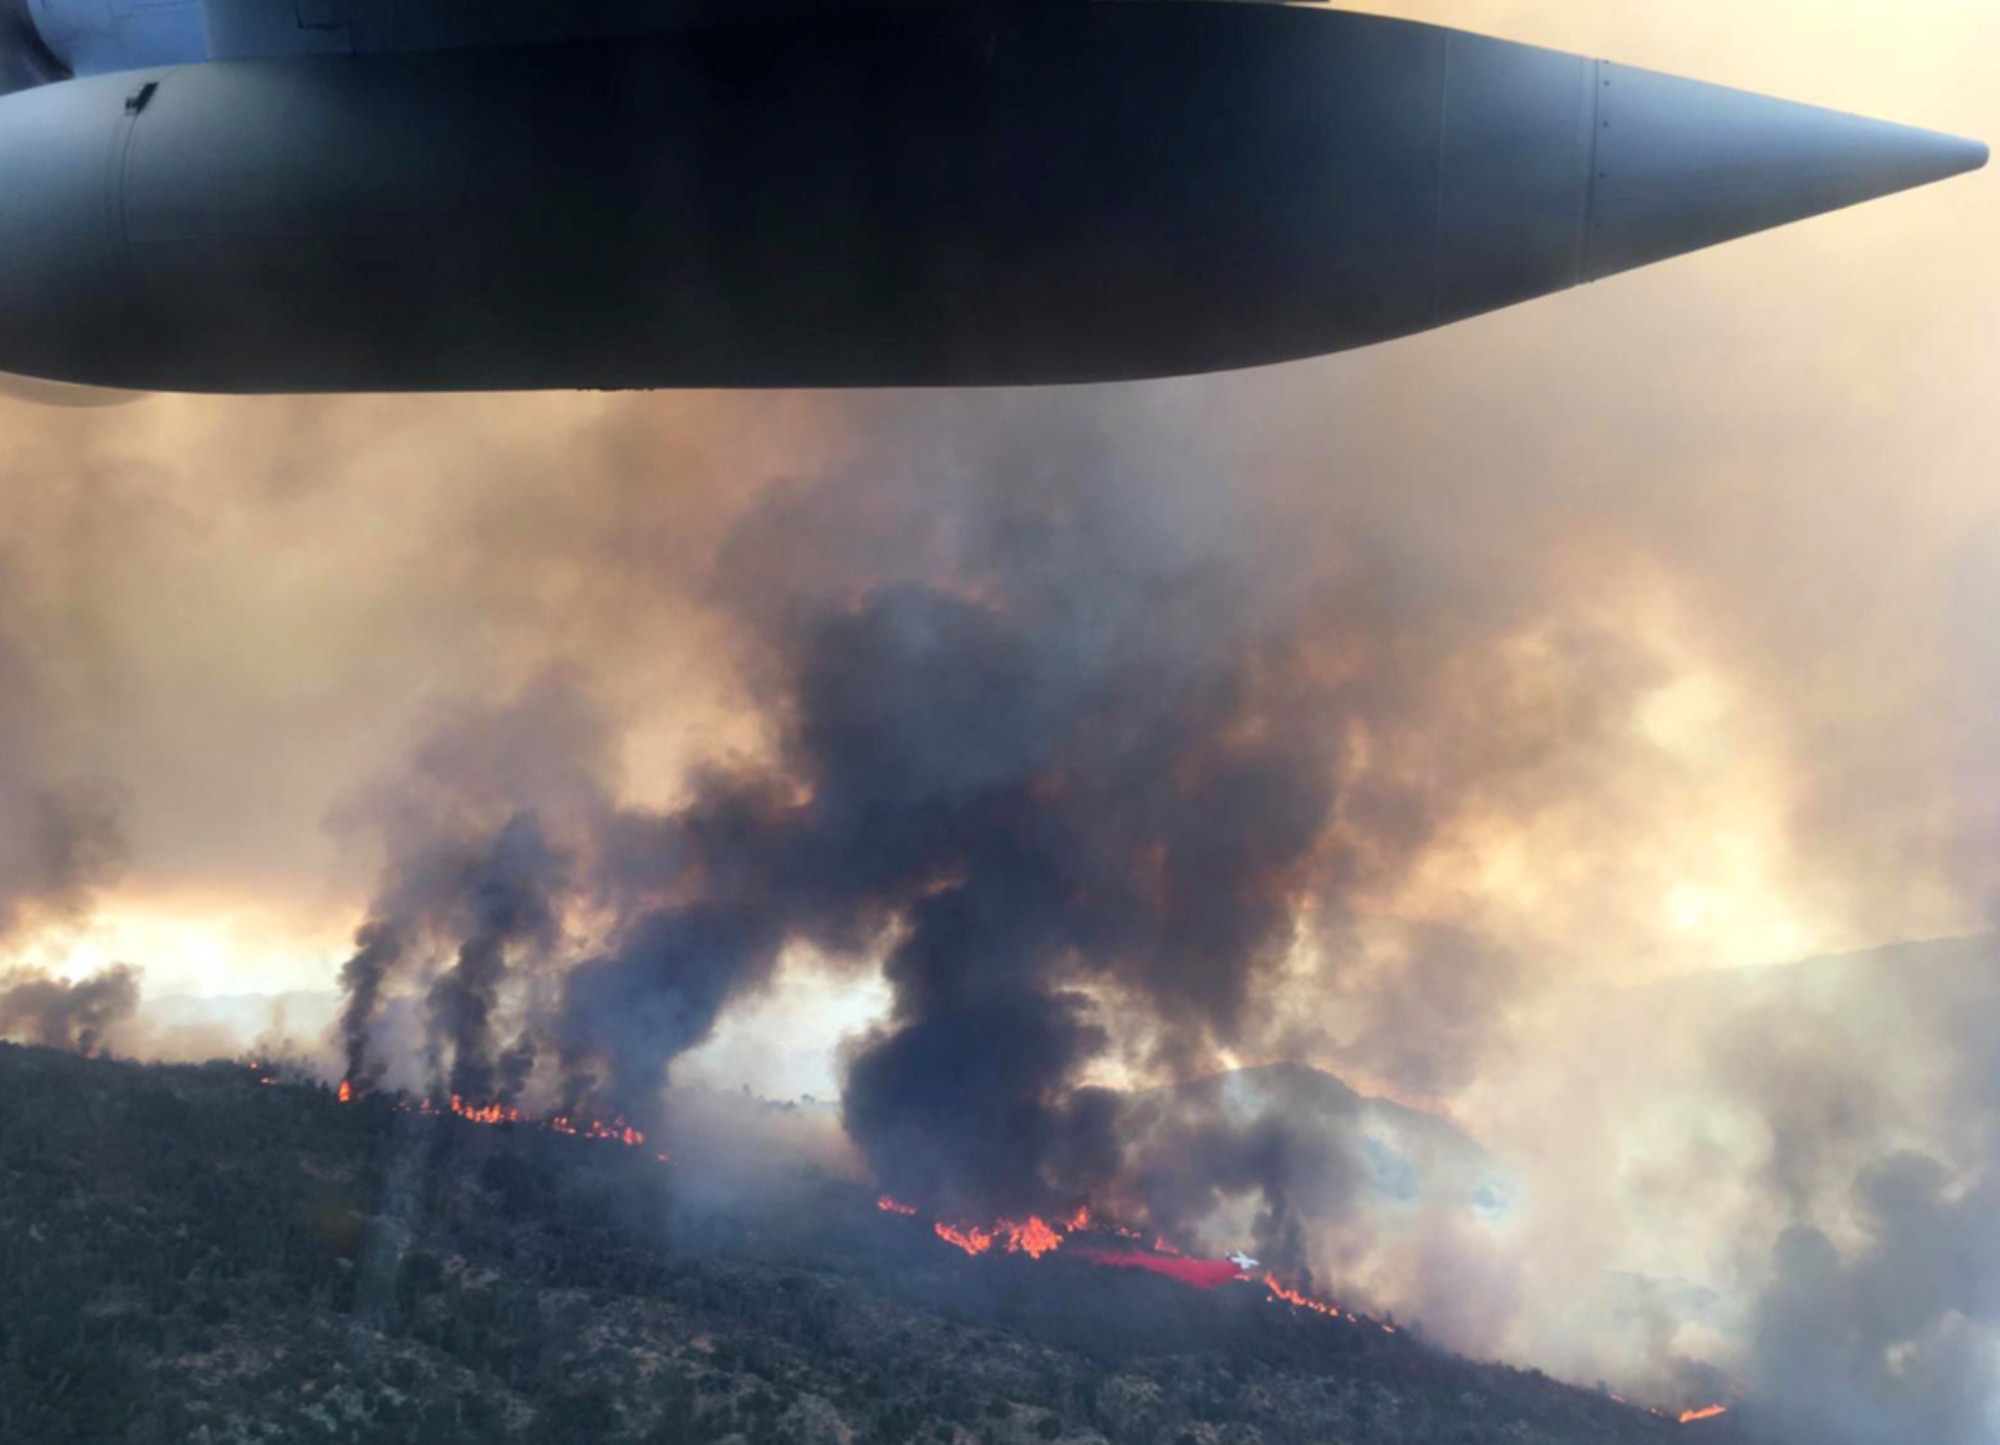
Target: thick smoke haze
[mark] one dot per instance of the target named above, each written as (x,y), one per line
(1479,719)
(57,1013)
(1055,728)
(61,838)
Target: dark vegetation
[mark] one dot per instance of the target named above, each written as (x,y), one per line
(189,1256)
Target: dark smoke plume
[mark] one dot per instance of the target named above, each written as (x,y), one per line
(1070,759)
(1041,741)
(57,1014)
(473,884)
(658,994)
(508,905)
(378,948)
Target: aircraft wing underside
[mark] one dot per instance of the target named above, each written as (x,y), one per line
(247,29)
(44,40)
(252,29)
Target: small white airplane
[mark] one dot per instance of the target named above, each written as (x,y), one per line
(1243,1261)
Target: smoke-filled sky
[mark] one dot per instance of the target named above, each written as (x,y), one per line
(1495,674)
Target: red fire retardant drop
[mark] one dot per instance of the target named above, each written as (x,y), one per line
(1201,1273)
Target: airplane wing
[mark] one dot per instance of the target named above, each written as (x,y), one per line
(48,40)
(262,29)
(45,40)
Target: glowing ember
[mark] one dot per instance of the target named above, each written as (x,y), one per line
(1078,1222)
(1304,1302)
(894,1206)
(1707,1412)
(617,1131)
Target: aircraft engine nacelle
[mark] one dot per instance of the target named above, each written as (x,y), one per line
(42,41)
(26,60)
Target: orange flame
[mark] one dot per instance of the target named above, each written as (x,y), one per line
(1034,1238)
(1304,1302)
(485,1113)
(972,1239)
(1319,1307)
(617,1131)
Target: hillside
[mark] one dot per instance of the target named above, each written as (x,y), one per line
(187,1254)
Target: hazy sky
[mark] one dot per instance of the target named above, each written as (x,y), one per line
(1773,459)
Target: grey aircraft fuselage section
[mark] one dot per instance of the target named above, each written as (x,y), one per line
(974,195)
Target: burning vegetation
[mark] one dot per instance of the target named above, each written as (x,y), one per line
(1084,1235)
(616,1130)
(1089,1237)
(1031,1237)
(503,1285)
